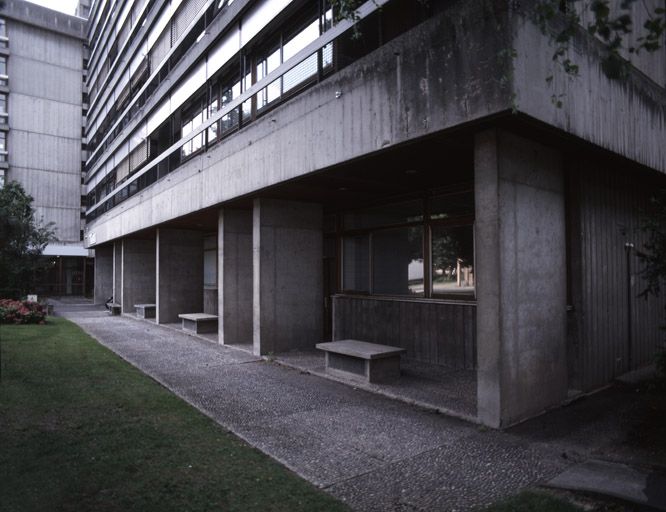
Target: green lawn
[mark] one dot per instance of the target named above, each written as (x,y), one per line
(80,430)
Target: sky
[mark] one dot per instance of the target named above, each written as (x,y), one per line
(66,6)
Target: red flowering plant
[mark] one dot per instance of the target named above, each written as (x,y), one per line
(21,312)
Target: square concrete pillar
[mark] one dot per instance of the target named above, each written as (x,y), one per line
(118,272)
(520,257)
(103,273)
(287,244)
(179,282)
(235,277)
(138,273)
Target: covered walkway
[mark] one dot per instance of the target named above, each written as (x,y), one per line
(368,450)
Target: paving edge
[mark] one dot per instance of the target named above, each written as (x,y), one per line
(418,403)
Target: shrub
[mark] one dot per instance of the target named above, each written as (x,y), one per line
(21,312)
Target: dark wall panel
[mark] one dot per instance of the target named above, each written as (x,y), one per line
(432,332)
(611,329)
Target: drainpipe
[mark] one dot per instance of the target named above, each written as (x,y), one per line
(628,247)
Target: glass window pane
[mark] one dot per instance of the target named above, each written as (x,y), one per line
(327,56)
(456,204)
(397,261)
(356,262)
(273,61)
(210,268)
(300,73)
(301,40)
(397,213)
(453,260)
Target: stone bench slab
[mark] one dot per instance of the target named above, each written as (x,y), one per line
(145,310)
(199,323)
(362,361)
(360,349)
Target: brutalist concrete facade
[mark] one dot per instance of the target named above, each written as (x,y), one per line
(416,187)
(43,92)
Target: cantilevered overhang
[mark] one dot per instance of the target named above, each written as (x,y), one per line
(449,75)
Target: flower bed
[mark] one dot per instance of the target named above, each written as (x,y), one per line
(21,312)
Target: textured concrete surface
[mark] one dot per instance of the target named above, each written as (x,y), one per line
(370,451)
(452,392)
(618,480)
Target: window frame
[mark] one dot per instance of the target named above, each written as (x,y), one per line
(426,223)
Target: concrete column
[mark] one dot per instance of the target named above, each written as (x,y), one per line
(521,278)
(235,276)
(179,281)
(103,273)
(287,246)
(118,272)
(138,273)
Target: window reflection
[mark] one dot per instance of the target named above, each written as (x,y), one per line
(397,261)
(453,260)
(356,263)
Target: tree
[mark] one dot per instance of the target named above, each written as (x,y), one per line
(654,254)
(611,22)
(22,240)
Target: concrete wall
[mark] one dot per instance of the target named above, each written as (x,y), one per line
(627,117)
(235,276)
(521,278)
(414,86)
(653,64)
(612,329)
(287,246)
(179,274)
(42,17)
(103,273)
(138,278)
(450,70)
(118,271)
(44,140)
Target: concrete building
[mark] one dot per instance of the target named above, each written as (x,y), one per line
(41,106)
(412,184)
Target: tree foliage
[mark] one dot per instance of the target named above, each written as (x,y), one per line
(611,22)
(22,240)
(653,255)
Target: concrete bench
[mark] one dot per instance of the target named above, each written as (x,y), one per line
(199,322)
(362,361)
(114,308)
(145,310)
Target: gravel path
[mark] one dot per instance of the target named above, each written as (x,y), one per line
(370,451)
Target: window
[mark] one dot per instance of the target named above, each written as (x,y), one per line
(452,260)
(222,93)
(3,103)
(285,46)
(3,146)
(193,117)
(418,248)
(210,261)
(3,33)
(3,70)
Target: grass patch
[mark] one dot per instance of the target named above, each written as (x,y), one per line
(80,429)
(530,501)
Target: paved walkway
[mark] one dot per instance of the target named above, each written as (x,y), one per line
(370,451)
